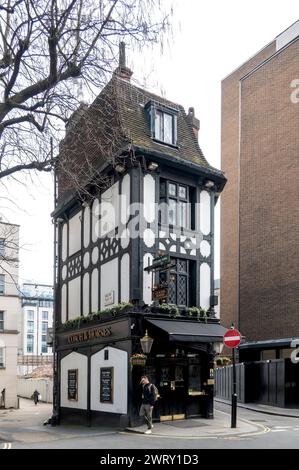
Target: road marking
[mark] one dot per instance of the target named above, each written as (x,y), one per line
(282,427)
(7,445)
(279,430)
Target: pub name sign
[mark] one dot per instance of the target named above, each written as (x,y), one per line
(89,334)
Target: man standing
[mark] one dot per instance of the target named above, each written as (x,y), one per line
(148,401)
(35,397)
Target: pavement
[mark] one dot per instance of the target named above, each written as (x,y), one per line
(271,410)
(25,426)
(202,428)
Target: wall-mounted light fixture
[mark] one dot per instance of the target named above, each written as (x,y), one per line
(60,220)
(152,166)
(209,184)
(120,168)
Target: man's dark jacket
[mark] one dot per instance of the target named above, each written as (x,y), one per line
(148,395)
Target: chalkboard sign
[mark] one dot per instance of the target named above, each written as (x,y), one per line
(106,385)
(72,384)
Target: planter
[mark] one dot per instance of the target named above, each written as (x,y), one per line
(139,360)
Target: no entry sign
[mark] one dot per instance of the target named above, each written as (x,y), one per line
(232,338)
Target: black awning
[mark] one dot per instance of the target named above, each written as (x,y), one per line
(191,332)
(268,344)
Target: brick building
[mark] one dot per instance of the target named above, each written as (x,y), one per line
(260,206)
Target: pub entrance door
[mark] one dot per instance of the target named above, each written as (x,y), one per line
(171,381)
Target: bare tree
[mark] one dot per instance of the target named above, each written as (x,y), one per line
(49,51)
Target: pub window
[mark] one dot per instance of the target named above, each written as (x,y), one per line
(180,279)
(72,384)
(162,122)
(177,205)
(194,378)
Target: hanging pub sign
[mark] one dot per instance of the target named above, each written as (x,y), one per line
(72,384)
(160,292)
(160,262)
(106,385)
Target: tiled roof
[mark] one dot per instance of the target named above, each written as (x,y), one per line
(131,100)
(113,122)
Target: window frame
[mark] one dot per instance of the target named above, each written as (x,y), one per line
(155,109)
(27,343)
(178,201)
(2,321)
(2,247)
(2,352)
(175,271)
(2,277)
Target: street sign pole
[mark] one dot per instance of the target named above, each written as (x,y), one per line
(234,395)
(232,339)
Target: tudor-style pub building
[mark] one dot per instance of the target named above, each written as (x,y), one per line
(135,255)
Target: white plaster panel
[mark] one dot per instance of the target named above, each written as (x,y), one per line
(74,297)
(205,248)
(95,290)
(119,361)
(149,198)
(173,248)
(125,278)
(95,255)
(109,281)
(86,229)
(205,212)
(63,303)
(78,361)
(86,260)
(125,199)
(75,233)
(95,226)
(125,239)
(149,237)
(64,242)
(205,285)
(147,279)
(109,210)
(64,272)
(85,294)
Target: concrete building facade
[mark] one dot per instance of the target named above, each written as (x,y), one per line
(10,310)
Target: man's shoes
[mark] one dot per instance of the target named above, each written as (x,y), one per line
(149,431)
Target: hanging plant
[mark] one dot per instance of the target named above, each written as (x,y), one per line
(138,360)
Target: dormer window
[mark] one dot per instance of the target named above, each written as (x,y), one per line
(163,123)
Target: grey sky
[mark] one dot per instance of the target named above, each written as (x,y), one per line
(213,39)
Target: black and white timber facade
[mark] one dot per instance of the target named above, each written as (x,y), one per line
(159,186)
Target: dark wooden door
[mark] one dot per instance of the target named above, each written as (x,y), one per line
(171,382)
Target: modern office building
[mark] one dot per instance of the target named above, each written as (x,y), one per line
(37,318)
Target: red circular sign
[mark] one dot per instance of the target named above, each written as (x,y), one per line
(232,338)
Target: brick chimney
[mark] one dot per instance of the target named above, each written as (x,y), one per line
(122,70)
(193,121)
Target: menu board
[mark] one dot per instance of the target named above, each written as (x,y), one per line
(72,384)
(106,385)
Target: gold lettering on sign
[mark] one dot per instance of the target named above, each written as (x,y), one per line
(89,334)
